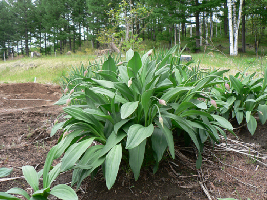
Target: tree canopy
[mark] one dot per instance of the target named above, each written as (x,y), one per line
(62,25)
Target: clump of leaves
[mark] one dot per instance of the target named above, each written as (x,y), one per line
(32,177)
(242,97)
(132,108)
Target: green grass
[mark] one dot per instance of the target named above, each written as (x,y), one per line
(46,69)
(218,60)
(50,69)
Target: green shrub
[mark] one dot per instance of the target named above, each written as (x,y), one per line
(242,97)
(134,108)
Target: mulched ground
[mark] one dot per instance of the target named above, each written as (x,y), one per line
(27,114)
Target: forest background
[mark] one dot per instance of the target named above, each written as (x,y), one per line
(49,26)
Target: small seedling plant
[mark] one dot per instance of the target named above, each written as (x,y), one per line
(32,177)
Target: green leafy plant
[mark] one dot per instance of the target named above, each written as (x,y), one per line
(242,97)
(5,171)
(61,191)
(133,108)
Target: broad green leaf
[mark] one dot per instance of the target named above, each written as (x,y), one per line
(248,114)
(109,65)
(250,103)
(136,157)
(164,83)
(174,92)
(118,125)
(159,143)
(78,113)
(166,57)
(146,55)
(195,112)
(203,136)
(123,74)
(18,191)
(7,196)
(252,125)
(109,93)
(265,79)
(107,75)
(86,163)
(179,108)
(104,83)
(55,152)
(112,140)
(199,104)
(125,91)
(236,84)
(41,193)
(74,153)
(40,173)
(178,76)
(200,84)
(64,192)
(134,65)
(137,134)
(129,55)
(39,197)
(145,100)
(5,171)
(31,176)
(48,162)
(62,100)
(239,117)
(199,161)
(56,127)
(112,164)
(128,108)
(169,137)
(53,174)
(224,123)
(86,173)
(186,127)
(99,113)
(262,113)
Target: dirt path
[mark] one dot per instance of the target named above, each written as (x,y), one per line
(27,114)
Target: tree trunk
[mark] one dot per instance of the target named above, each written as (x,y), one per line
(230,22)
(206,27)
(180,33)
(197,28)
(183,30)
(26,42)
(211,25)
(73,41)
(225,20)
(236,27)
(191,30)
(244,31)
(40,35)
(80,36)
(200,33)
(45,43)
(114,47)
(175,34)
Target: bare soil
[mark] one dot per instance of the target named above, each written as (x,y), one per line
(27,114)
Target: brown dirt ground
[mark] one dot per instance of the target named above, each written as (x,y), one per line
(27,114)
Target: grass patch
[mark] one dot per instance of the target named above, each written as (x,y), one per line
(50,69)
(46,69)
